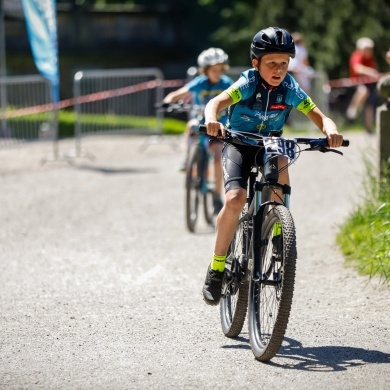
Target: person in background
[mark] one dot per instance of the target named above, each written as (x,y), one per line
(299,66)
(211,81)
(363,70)
(387,56)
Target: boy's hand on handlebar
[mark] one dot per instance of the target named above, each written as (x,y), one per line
(215,129)
(335,140)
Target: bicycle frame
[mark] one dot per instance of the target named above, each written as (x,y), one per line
(258,201)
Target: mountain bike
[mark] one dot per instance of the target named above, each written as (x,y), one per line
(261,260)
(199,179)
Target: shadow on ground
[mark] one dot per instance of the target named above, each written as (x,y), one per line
(322,358)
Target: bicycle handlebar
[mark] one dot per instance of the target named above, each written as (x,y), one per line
(237,137)
(318,142)
(179,107)
(170,107)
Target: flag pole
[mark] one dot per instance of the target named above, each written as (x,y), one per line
(3,69)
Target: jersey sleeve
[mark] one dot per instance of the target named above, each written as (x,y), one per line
(297,97)
(234,93)
(306,106)
(242,88)
(196,84)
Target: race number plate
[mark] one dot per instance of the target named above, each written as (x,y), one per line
(281,146)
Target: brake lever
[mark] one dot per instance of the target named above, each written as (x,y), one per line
(334,151)
(322,149)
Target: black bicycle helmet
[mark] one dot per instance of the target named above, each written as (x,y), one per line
(272,40)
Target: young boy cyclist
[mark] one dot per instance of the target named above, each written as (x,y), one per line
(212,66)
(260,102)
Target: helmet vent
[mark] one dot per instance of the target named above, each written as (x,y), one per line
(266,38)
(272,40)
(279,38)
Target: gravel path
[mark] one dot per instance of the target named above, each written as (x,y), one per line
(100,281)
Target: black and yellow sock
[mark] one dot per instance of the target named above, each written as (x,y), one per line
(218,263)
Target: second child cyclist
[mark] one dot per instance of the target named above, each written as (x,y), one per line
(212,80)
(260,102)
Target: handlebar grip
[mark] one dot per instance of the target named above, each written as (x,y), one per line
(202,129)
(345,142)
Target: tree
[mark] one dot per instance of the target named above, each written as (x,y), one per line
(330,27)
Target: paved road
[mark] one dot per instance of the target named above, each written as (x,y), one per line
(100,281)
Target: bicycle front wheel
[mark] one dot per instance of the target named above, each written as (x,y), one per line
(235,287)
(193,186)
(271,292)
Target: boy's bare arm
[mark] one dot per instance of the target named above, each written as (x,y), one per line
(327,126)
(213,107)
(175,96)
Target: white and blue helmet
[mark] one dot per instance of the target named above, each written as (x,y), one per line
(212,56)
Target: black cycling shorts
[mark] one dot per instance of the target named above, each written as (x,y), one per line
(237,161)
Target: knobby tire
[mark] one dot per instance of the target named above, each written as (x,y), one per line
(269,305)
(234,302)
(193,182)
(208,196)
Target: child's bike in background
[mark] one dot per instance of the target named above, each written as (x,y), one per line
(199,171)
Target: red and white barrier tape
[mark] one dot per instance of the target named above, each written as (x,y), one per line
(93,97)
(351,82)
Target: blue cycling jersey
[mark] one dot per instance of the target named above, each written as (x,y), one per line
(260,108)
(202,91)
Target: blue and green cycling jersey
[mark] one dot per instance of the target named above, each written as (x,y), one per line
(202,91)
(260,108)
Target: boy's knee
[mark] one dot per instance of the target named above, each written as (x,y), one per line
(235,199)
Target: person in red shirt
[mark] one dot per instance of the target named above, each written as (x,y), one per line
(387,56)
(363,70)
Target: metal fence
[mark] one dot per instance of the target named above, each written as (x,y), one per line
(117,101)
(22,117)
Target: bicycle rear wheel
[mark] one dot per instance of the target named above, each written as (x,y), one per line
(271,292)
(193,185)
(235,287)
(208,206)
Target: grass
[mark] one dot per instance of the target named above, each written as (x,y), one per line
(107,123)
(364,238)
(170,126)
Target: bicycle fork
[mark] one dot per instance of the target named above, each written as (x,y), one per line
(259,210)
